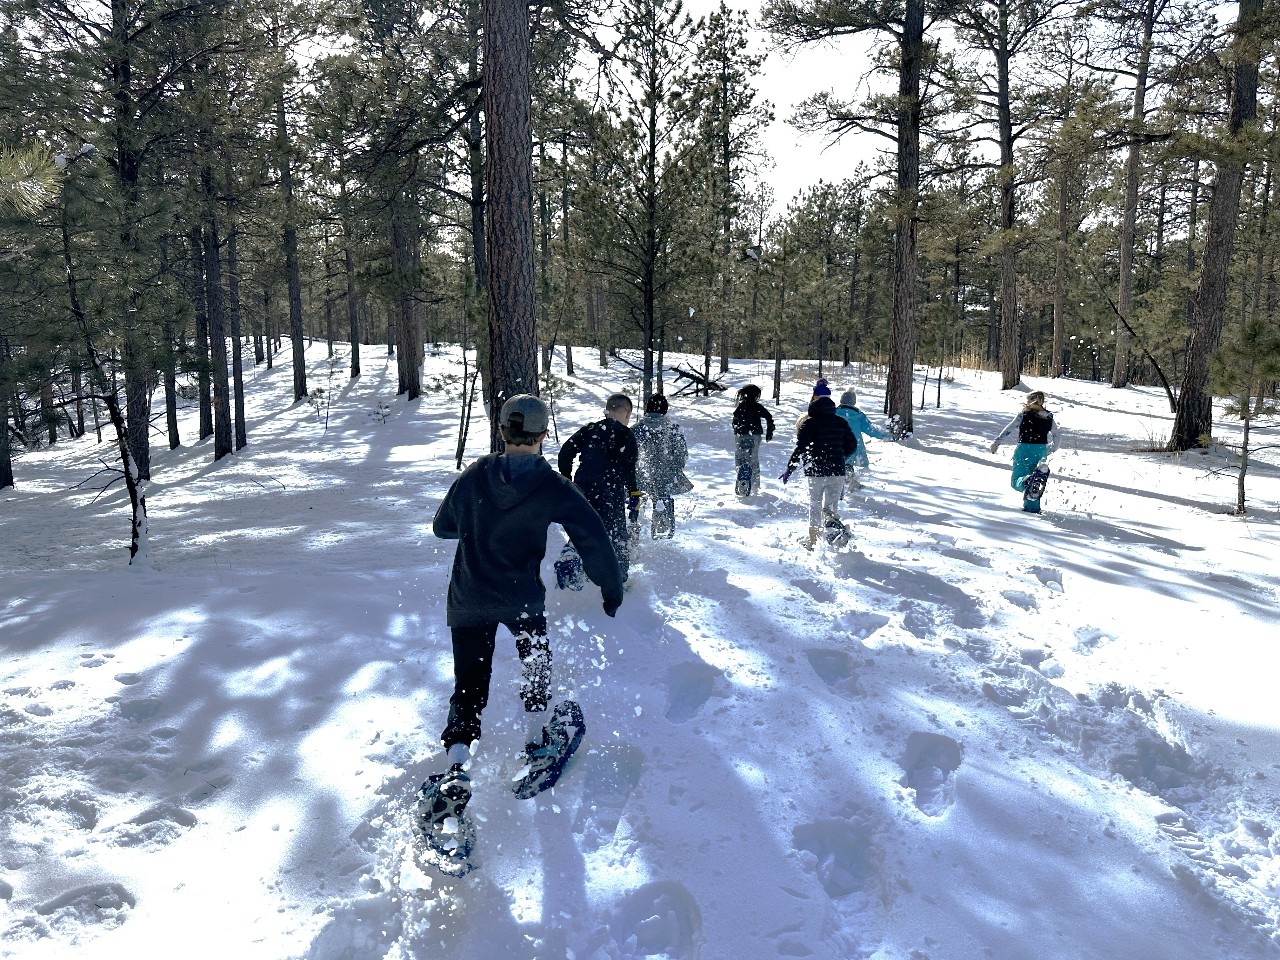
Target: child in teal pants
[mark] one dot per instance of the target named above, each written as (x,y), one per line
(1037,435)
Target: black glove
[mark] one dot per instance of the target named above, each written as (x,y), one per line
(611,606)
(768,436)
(633,507)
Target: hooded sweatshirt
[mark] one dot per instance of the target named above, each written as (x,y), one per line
(499,510)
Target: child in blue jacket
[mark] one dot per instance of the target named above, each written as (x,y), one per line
(862,428)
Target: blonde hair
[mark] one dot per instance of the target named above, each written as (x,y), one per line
(1035,400)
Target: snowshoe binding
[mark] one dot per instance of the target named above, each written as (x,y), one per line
(545,761)
(834,530)
(448,834)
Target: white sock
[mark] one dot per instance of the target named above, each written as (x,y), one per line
(459,753)
(537,718)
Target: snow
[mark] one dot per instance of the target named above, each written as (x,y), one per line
(972,733)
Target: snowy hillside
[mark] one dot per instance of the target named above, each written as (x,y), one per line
(972,733)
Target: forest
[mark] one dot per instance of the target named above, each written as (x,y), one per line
(1060,188)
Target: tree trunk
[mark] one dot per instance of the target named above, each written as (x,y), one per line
(1061,250)
(293,272)
(199,302)
(406,333)
(233,310)
(1010,330)
(903,332)
(1193,420)
(513,356)
(222,444)
(1129,218)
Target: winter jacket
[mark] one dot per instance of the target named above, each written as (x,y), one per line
(823,441)
(662,456)
(606,454)
(747,417)
(1031,426)
(499,516)
(861,427)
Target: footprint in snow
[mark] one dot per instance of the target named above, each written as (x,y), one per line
(930,762)
(155,827)
(95,906)
(660,919)
(839,853)
(1050,577)
(609,775)
(689,686)
(836,669)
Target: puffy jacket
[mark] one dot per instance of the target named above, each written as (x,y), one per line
(824,441)
(663,454)
(861,427)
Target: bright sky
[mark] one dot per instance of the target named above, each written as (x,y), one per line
(803,159)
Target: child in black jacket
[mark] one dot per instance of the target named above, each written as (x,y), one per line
(752,422)
(606,453)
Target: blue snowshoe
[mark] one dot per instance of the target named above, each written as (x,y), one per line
(545,761)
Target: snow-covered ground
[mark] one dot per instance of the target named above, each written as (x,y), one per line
(973,733)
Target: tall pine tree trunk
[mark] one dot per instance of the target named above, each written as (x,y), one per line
(293,273)
(1129,218)
(1193,420)
(513,354)
(903,331)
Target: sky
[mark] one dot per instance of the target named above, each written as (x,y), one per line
(971,733)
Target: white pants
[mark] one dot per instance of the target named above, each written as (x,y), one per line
(824,494)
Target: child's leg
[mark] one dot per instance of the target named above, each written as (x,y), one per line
(832,491)
(535,661)
(1025,458)
(816,489)
(472,670)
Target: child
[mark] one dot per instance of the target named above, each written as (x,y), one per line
(606,474)
(660,469)
(750,418)
(1037,438)
(498,510)
(862,428)
(823,443)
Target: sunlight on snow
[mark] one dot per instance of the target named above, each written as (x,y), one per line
(266,679)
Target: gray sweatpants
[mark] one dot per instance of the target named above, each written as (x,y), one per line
(824,494)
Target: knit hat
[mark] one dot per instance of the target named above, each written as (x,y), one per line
(657,403)
(820,389)
(849,398)
(526,413)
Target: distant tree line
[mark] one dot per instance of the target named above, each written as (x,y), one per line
(1066,188)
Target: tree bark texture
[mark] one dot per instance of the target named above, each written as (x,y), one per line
(293,274)
(513,354)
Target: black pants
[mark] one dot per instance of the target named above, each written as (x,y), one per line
(611,505)
(473,669)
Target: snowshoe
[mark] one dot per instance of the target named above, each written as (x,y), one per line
(569,572)
(1033,487)
(545,761)
(834,530)
(448,834)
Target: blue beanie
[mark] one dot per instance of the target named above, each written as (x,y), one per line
(821,389)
